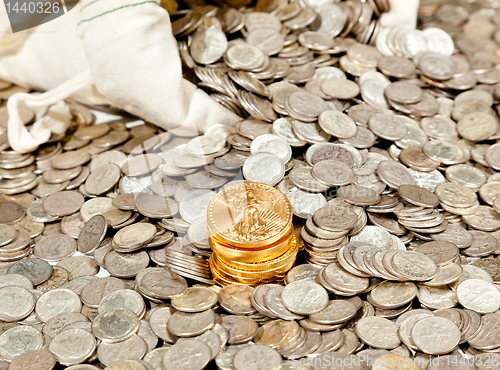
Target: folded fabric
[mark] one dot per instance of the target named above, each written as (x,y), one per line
(113,52)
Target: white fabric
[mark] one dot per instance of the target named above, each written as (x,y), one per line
(403,13)
(134,61)
(121,53)
(53,115)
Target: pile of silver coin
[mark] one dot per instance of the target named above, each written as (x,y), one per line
(382,139)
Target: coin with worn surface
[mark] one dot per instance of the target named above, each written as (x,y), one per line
(272,144)
(335,218)
(16,303)
(256,357)
(387,126)
(55,302)
(158,320)
(208,46)
(63,203)
(304,204)
(70,159)
(337,124)
(156,206)
(94,291)
(394,174)
(358,195)
(378,332)
(485,219)
(483,244)
(134,235)
(390,294)
(273,303)
(72,225)
(7,234)
(54,248)
(185,324)
(58,277)
(115,325)
(418,196)
(29,227)
(134,348)
(160,283)
(187,354)
(339,88)
(92,234)
(276,333)
(72,346)
(478,295)
(18,340)
(125,298)
(40,359)
(436,335)
(36,212)
(141,165)
(337,311)
(439,252)
(126,265)
(77,266)
(343,280)
(264,168)
(240,329)
(96,206)
(332,173)
(11,212)
(414,265)
(236,299)
(304,297)
(102,179)
(195,299)
(35,269)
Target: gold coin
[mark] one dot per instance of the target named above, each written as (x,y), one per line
(252,275)
(288,256)
(249,215)
(251,255)
(226,279)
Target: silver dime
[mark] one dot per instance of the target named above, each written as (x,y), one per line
(304,297)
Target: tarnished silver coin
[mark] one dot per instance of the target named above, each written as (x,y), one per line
(478,295)
(185,324)
(256,357)
(435,335)
(195,299)
(187,354)
(304,297)
(115,325)
(73,346)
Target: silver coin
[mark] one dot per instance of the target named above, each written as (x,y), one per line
(185,324)
(256,357)
(304,297)
(115,325)
(443,337)
(378,332)
(188,354)
(264,168)
(73,346)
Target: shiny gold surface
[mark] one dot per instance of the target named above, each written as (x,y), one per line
(249,215)
(286,260)
(236,254)
(251,235)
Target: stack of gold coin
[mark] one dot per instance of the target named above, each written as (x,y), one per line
(251,234)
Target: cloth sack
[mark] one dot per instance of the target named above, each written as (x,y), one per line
(116,52)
